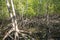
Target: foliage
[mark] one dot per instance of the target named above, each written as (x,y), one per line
(3,10)
(33,9)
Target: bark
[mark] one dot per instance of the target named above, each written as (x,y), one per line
(14,20)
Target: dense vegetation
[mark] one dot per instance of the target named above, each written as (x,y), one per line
(32,16)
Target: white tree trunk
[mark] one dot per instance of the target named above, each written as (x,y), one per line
(14,20)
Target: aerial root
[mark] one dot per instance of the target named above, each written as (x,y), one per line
(8,34)
(17,32)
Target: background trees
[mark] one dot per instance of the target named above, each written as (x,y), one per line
(34,12)
(31,7)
